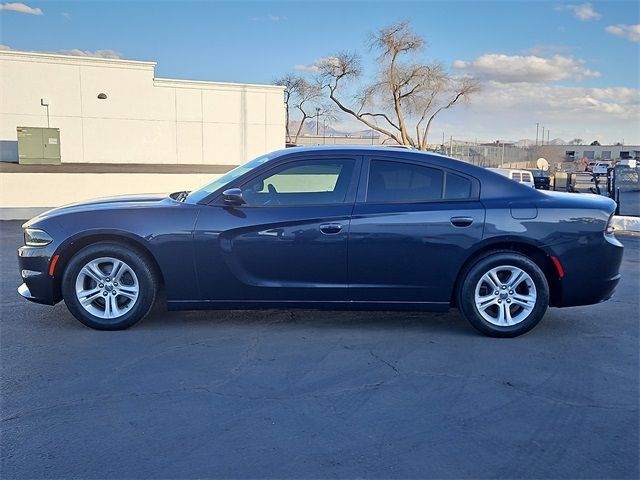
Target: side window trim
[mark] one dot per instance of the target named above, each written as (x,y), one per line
(363,185)
(351,191)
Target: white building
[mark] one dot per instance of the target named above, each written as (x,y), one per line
(143,119)
(567,153)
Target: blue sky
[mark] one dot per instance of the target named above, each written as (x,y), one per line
(563,51)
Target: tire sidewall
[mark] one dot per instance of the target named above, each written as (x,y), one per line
(466,299)
(143,271)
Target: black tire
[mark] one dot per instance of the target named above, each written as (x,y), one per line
(472,275)
(139,264)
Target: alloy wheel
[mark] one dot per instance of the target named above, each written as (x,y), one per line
(107,288)
(505,295)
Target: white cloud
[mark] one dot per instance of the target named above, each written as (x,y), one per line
(630,32)
(561,100)
(583,11)
(531,68)
(20,8)
(315,66)
(270,18)
(106,53)
(508,110)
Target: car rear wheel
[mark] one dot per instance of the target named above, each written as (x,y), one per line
(504,294)
(108,286)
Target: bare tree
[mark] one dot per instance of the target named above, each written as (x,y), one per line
(576,141)
(304,100)
(406,95)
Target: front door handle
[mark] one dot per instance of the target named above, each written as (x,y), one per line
(461,221)
(330,228)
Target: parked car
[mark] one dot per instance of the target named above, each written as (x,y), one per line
(628,162)
(330,228)
(541,179)
(521,176)
(601,168)
(589,167)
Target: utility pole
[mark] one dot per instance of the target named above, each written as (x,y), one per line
(537,125)
(324,132)
(317,124)
(450,146)
(547,136)
(542,142)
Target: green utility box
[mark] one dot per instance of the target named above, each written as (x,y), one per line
(37,145)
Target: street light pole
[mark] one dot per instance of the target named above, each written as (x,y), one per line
(542,142)
(537,125)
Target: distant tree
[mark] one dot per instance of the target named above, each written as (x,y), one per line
(300,97)
(595,143)
(576,141)
(405,96)
(619,144)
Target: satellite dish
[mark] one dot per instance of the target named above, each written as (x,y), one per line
(542,164)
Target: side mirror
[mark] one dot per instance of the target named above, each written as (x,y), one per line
(233,196)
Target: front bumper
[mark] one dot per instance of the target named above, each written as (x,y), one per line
(38,286)
(25,293)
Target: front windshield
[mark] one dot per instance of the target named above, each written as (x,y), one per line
(197,195)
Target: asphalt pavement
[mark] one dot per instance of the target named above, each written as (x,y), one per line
(307,394)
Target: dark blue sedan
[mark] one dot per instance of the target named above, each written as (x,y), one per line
(331,228)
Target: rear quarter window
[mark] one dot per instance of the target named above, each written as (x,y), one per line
(457,187)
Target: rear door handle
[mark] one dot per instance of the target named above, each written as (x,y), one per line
(461,221)
(330,228)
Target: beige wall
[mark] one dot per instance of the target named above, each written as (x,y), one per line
(143,120)
(23,195)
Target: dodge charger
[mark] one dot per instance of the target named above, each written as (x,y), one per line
(330,228)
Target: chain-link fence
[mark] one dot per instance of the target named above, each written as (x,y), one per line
(492,155)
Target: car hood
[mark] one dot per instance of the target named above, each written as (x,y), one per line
(120,201)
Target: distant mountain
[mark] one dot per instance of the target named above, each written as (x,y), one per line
(309,130)
(528,143)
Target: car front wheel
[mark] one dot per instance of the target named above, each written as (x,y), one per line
(108,286)
(504,294)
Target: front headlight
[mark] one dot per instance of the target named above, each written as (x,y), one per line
(35,237)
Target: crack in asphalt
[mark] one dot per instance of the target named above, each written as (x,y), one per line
(389,364)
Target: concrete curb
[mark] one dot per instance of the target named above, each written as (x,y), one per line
(626,223)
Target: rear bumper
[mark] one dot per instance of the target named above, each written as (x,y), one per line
(591,273)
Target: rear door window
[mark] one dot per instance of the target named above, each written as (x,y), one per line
(400,182)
